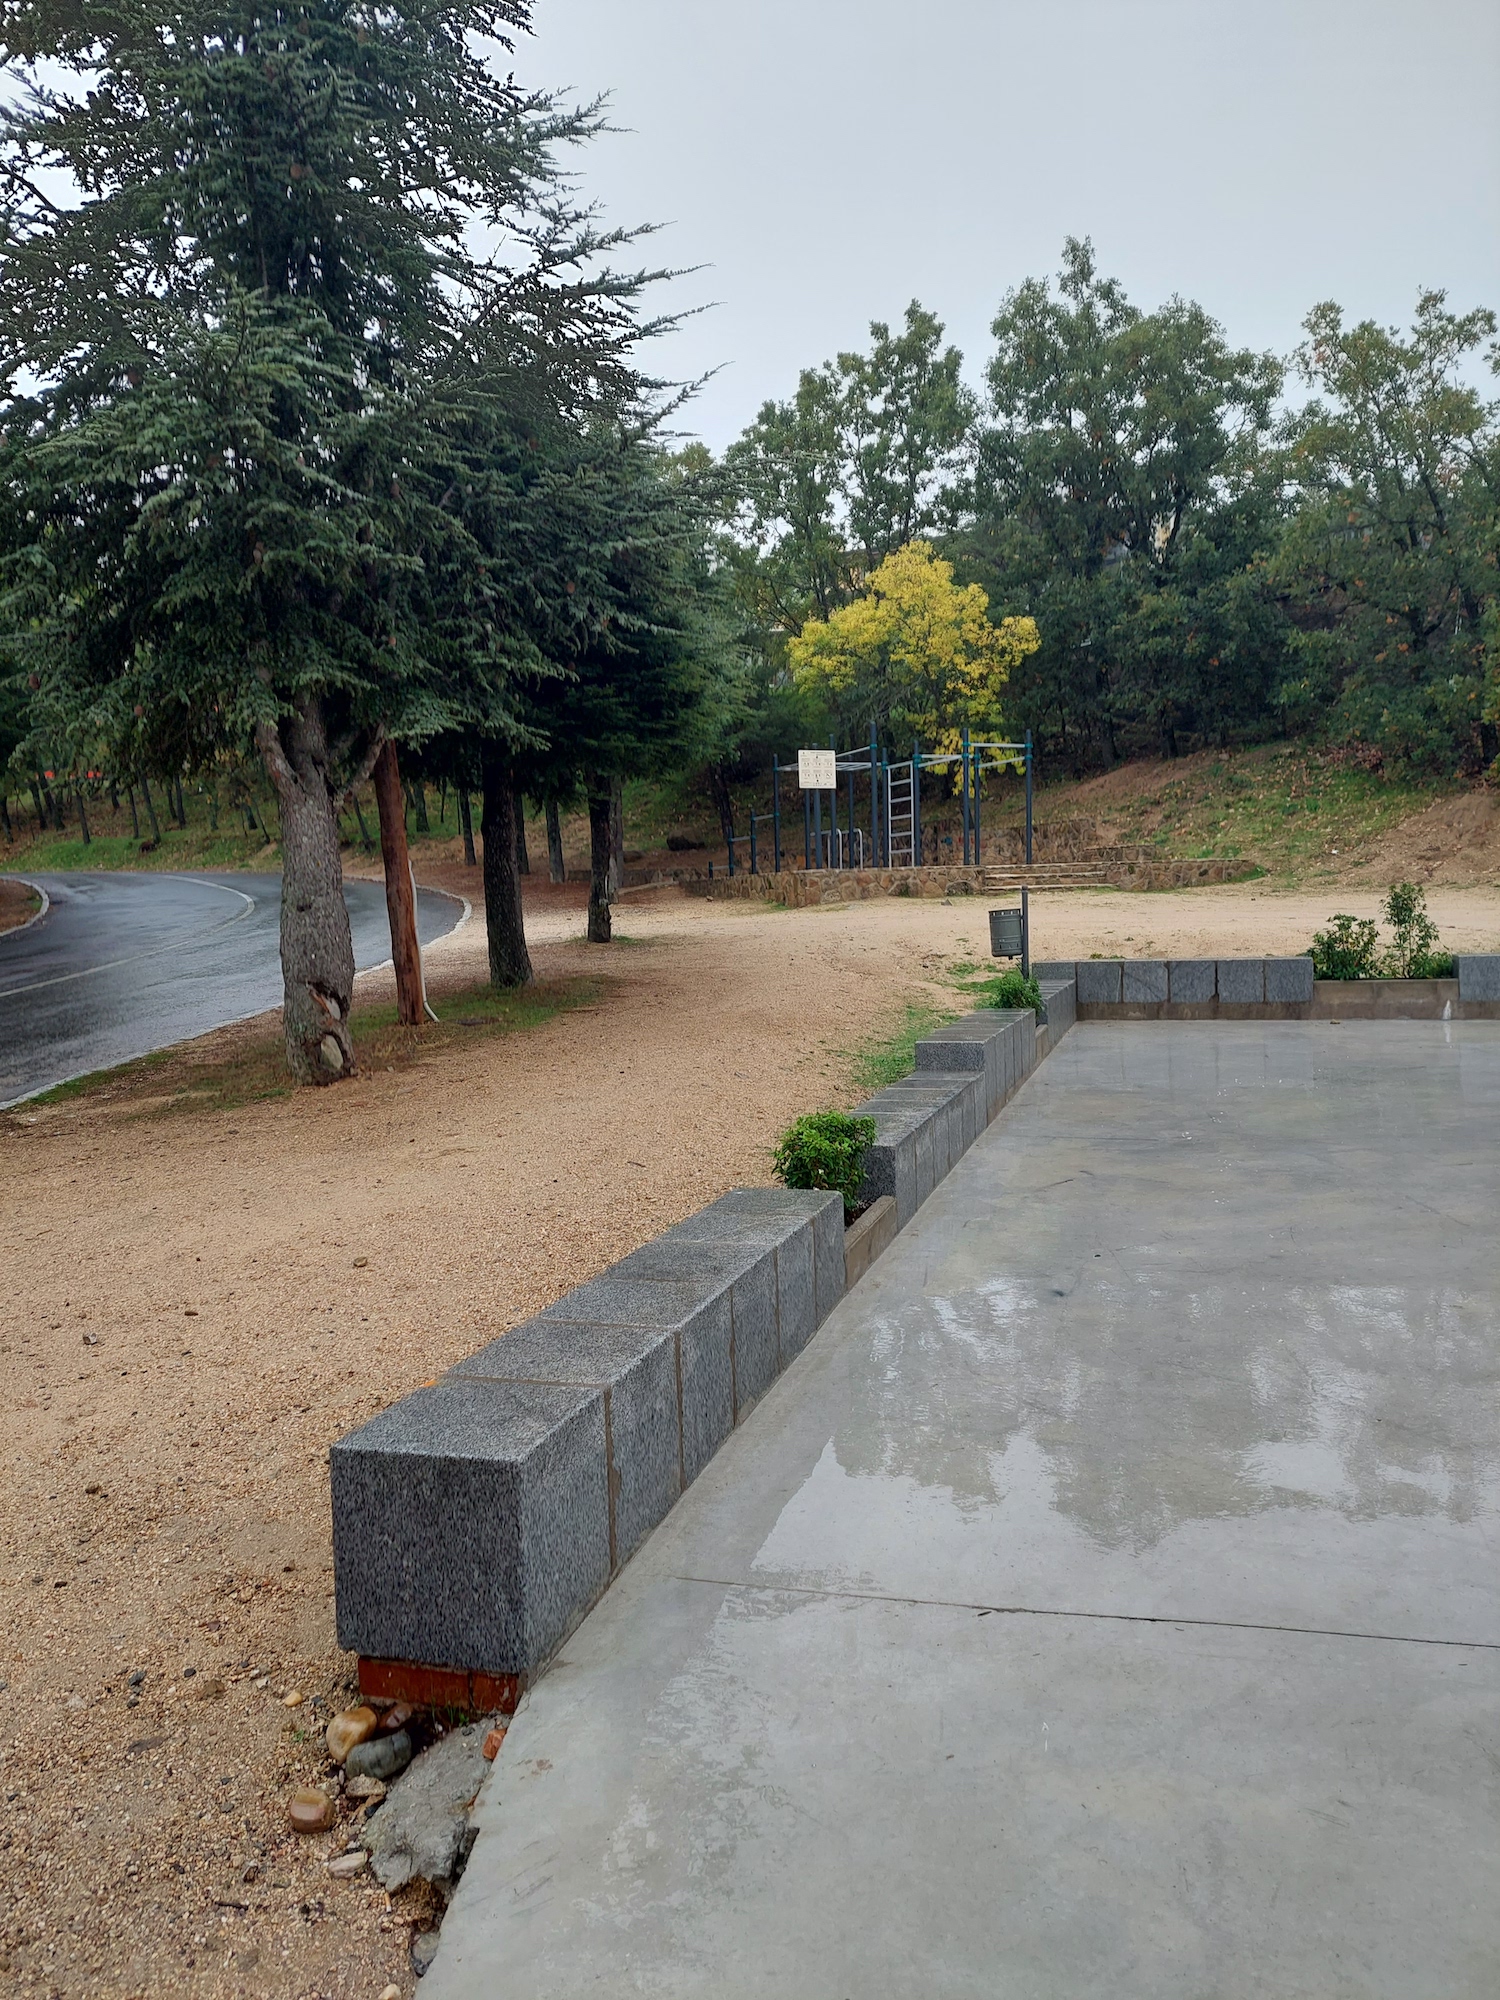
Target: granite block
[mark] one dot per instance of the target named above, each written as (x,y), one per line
(801,1282)
(1143,981)
(891,1163)
(1289,981)
(925,1170)
(748,1267)
(1242,981)
(1059,997)
(471,1524)
(1099,982)
(706,1382)
(636,1368)
(756,1347)
(828,1256)
(1478,976)
(660,1302)
(1191,982)
(1053,968)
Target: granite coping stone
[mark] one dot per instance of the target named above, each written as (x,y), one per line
(749,1269)
(1098,982)
(825,1212)
(1242,981)
(1144,982)
(1289,981)
(636,1368)
(471,1523)
(1192,982)
(1478,975)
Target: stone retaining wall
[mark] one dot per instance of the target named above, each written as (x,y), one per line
(1259,988)
(802,888)
(476,1521)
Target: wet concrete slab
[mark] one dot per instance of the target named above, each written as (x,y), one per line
(1104,1603)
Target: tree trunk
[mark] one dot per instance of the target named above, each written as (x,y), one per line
(417,793)
(41,810)
(5,816)
(359,820)
(400,897)
(466,821)
(557,868)
(523,859)
(317,950)
(718,785)
(150,810)
(83,818)
(616,836)
(600,856)
(504,923)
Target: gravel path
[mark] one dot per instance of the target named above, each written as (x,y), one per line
(196,1306)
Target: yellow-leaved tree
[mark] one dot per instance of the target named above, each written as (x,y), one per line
(918,655)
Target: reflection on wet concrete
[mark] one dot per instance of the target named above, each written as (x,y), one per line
(1104,1603)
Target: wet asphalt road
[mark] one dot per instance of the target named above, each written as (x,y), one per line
(122,964)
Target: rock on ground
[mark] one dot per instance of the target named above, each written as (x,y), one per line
(423,1828)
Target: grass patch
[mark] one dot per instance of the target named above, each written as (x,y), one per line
(888,1057)
(208,1076)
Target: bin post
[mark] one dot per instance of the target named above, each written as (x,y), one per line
(1028,798)
(1025,932)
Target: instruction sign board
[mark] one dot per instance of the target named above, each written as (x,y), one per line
(817,770)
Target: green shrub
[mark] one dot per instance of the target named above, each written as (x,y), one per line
(1411,955)
(826,1149)
(1007,989)
(1346,950)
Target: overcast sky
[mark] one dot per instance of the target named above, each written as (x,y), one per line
(828,160)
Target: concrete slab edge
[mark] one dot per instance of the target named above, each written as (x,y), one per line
(478,1520)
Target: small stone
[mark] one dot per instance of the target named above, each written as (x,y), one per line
(391,1993)
(308,1810)
(188,1672)
(211,1689)
(291,1700)
(137,1677)
(365,1788)
(382,1757)
(492,1744)
(424,1949)
(360,1263)
(344,1867)
(397,1716)
(330,1054)
(354,1725)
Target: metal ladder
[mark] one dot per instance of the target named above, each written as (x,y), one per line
(900,816)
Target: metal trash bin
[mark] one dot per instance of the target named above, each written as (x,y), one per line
(1007,937)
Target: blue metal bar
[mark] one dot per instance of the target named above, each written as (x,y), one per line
(963,787)
(807,829)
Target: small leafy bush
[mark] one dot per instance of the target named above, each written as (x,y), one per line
(826,1149)
(1346,950)
(1350,947)
(1008,989)
(1412,954)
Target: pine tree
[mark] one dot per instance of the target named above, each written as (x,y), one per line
(252,374)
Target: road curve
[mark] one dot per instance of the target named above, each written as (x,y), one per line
(121,964)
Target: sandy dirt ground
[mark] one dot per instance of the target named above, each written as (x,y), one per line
(195,1306)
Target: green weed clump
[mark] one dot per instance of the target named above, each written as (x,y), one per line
(1347,949)
(1007,989)
(826,1149)
(1350,947)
